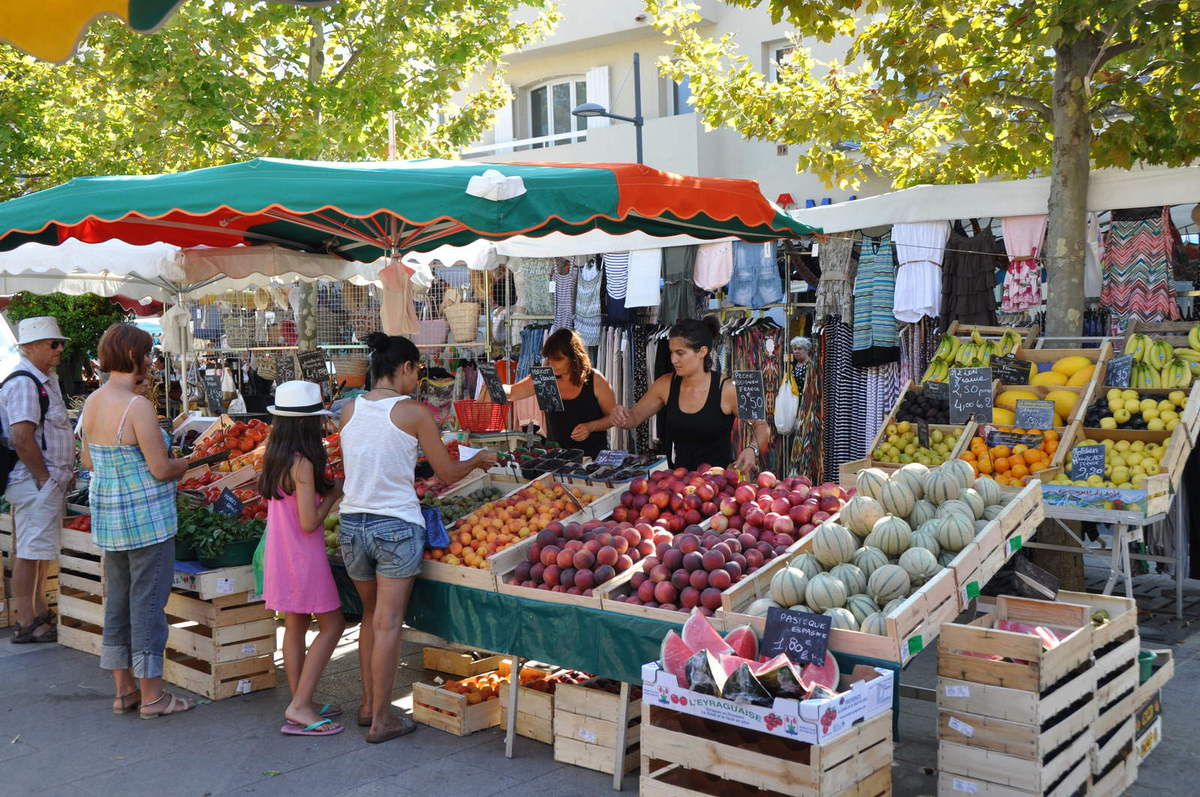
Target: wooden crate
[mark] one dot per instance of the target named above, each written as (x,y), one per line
(80,563)
(1028,334)
(1157,501)
(1099,357)
(1179,442)
(450,712)
(220,647)
(535,710)
(1173,332)
(80,620)
(1085,393)
(1163,670)
(458,662)
(963,646)
(972,770)
(212,584)
(1115,647)
(1114,751)
(726,760)
(219,681)
(982,558)
(595,729)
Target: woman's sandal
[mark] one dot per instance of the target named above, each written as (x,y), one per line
(123,704)
(24,634)
(175,705)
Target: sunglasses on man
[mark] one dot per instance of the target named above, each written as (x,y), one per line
(55,345)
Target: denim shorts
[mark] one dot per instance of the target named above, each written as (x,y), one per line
(380,545)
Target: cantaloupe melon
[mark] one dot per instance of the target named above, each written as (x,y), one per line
(842,619)
(941,486)
(861,605)
(926,540)
(893,605)
(955,505)
(920,564)
(992,512)
(808,563)
(988,490)
(945,558)
(973,500)
(912,476)
(833,544)
(962,469)
(800,607)
(896,498)
(888,583)
(874,624)
(922,511)
(759,607)
(956,532)
(824,592)
(860,513)
(868,558)
(890,535)
(787,586)
(852,578)
(870,482)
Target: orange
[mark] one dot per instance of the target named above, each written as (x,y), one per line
(985,466)
(1000,451)
(1019,470)
(969,456)
(1001,464)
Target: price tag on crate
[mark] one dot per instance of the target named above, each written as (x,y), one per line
(751,395)
(285,367)
(939,391)
(1034,414)
(1012,371)
(491,378)
(228,504)
(970,394)
(1118,371)
(1087,461)
(611,458)
(997,438)
(545,387)
(801,636)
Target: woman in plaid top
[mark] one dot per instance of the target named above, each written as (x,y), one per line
(133,521)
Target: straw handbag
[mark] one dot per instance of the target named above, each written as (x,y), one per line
(462,316)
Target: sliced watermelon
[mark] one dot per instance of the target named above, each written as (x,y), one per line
(673,655)
(699,635)
(730,662)
(780,678)
(742,687)
(744,642)
(827,675)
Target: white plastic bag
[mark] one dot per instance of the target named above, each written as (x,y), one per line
(787,405)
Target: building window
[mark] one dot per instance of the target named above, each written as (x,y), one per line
(550,107)
(680,93)
(775,54)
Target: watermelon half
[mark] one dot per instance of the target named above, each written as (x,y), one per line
(827,675)
(673,655)
(731,661)
(699,635)
(744,642)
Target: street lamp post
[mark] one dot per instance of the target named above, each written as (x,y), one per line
(589,110)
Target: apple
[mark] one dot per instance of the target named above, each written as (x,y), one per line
(720,579)
(692,561)
(640,501)
(783,525)
(713,559)
(755,518)
(831,504)
(661,573)
(767,479)
(744,494)
(800,514)
(645,591)
(688,543)
(660,498)
(689,597)
(728,507)
(764,502)
(781,506)
(649,512)
(680,578)
(639,486)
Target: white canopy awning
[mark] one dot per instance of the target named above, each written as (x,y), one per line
(1108,189)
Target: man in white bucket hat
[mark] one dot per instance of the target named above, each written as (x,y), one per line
(36,428)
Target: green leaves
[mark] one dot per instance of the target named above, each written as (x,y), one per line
(82,319)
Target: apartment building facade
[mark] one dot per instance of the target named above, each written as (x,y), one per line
(589,58)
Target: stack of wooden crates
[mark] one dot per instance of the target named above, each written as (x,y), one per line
(81,585)
(1016,718)
(7,553)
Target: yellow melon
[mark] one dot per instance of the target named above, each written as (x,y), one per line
(1064,402)
(1069,365)
(1008,399)
(1049,378)
(1081,377)
(1003,417)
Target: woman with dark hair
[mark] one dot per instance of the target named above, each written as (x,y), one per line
(382,529)
(587,396)
(698,406)
(133,521)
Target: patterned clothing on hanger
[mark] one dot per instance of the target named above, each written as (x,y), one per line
(969,277)
(838,390)
(1138,283)
(835,291)
(532,278)
(875,340)
(679,296)
(587,304)
(641,336)
(1023,281)
(564,296)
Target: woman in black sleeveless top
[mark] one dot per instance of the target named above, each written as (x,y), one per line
(586,395)
(698,406)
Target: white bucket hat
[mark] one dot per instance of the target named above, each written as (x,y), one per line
(42,327)
(298,399)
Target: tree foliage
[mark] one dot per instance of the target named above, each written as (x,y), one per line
(230,81)
(949,91)
(82,319)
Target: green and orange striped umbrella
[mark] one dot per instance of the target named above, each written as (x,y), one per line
(52,29)
(361,211)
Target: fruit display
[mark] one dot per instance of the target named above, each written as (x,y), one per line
(456,506)
(548,683)
(1128,409)
(333,524)
(1069,370)
(578,557)
(916,406)
(894,535)
(430,486)
(729,667)
(1158,364)
(240,438)
(972,352)
(674,499)
(79,523)
(899,445)
(201,481)
(499,524)
(1011,464)
(1004,409)
(1126,464)
(208,532)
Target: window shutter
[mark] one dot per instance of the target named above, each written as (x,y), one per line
(504,122)
(597,92)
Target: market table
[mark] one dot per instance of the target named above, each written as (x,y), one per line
(606,644)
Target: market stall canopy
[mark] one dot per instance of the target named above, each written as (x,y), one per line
(362,211)
(53,31)
(1108,189)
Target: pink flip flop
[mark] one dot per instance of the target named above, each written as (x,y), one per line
(318,728)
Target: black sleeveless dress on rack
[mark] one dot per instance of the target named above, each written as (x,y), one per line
(694,438)
(584,408)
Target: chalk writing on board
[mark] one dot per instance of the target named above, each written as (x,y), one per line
(491,379)
(801,636)
(751,395)
(970,394)
(1087,461)
(1034,414)
(1118,371)
(545,388)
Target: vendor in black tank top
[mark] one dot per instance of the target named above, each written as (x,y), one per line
(698,405)
(587,396)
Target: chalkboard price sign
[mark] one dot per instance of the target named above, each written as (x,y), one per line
(213,396)
(1011,439)
(1117,373)
(228,504)
(611,458)
(751,395)
(1034,414)
(1012,371)
(970,394)
(1087,461)
(313,367)
(545,387)
(285,367)
(491,378)
(936,390)
(800,636)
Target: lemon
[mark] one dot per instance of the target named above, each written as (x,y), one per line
(1116,406)
(1108,423)
(1113,395)
(1155,425)
(1129,394)
(1165,406)
(1171,424)
(1168,415)
(1132,405)
(1178,397)
(1150,414)
(1121,416)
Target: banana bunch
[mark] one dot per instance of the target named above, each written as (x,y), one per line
(938,371)
(947,348)
(1137,345)
(1177,373)
(1194,337)
(1156,364)
(1144,375)
(975,352)
(1190,357)
(1009,342)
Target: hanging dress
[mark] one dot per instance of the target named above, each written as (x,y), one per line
(835,291)
(564,297)
(920,247)
(969,277)
(679,296)
(875,337)
(1023,237)
(1138,283)
(587,304)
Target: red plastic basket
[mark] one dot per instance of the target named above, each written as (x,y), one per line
(481,416)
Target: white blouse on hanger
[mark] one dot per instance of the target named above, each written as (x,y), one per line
(920,247)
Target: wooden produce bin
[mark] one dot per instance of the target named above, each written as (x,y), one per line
(80,563)
(458,662)
(1028,334)
(1015,718)
(80,620)
(976,564)
(595,729)
(220,647)
(210,584)
(7,553)
(1173,332)
(689,756)
(451,712)
(1084,393)
(1115,647)
(1099,357)
(535,709)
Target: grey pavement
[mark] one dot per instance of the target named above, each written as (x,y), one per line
(59,737)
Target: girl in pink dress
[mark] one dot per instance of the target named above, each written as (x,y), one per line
(296,576)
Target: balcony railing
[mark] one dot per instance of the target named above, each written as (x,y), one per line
(501,147)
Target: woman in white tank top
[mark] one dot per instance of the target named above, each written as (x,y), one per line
(382,530)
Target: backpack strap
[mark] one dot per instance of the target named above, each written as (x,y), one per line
(43,398)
